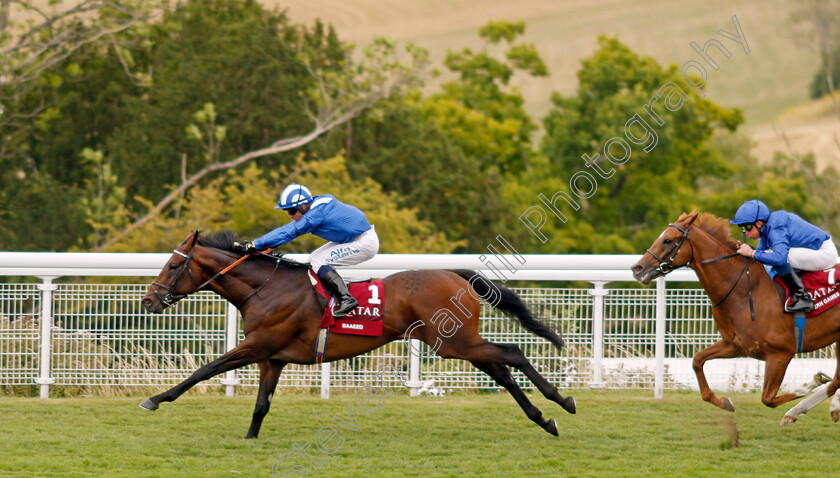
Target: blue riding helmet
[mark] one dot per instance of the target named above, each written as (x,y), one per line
(751,211)
(294,195)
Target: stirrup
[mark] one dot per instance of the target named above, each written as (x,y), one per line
(346,306)
(799,306)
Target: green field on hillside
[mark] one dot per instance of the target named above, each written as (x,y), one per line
(614,434)
(773,77)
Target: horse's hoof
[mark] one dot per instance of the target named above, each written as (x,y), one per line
(835,415)
(551,427)
(570,406)
(148,404)
(726,404)
(786,420)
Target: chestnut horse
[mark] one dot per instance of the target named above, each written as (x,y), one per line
(281,319)
(703,243)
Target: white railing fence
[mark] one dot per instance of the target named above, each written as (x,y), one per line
(98,335)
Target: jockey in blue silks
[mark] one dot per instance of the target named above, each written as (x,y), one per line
(786,243)
(352,239)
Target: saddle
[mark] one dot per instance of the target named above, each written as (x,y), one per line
(823,286)
(366,319)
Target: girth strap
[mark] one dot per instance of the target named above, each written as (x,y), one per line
(799,330)
(321,345)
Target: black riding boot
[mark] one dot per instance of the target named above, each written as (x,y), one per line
(338,289)
(799,299)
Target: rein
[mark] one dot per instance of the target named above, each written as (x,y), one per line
(666,267)
(265,283)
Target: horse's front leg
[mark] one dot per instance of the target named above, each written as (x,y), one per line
(720,349)
(269,374)
(239,356)
(774,372)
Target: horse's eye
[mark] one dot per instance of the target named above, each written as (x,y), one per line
(667,241)
(173,266)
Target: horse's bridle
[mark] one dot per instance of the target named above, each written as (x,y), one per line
(170,297)
(666,267)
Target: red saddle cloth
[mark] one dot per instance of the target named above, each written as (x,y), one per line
(366,319)
(823,287)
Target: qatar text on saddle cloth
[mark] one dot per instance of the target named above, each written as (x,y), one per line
(366,319)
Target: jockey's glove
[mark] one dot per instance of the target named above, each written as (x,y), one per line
(244,247)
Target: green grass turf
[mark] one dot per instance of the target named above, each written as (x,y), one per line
(615,433)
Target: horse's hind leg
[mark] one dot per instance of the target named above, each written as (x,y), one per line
(834,386)
(517,359)
(806,389)
(269,374)
(502,376)
(817,389)
(820,395)
(239,356)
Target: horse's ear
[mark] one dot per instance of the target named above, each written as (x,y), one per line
(690,217)
(192,239)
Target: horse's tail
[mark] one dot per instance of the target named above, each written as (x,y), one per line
(510,303)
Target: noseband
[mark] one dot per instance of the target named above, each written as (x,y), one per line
(666,266)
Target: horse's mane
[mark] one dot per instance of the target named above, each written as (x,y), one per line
(718,228)
(218,240)
(224,240)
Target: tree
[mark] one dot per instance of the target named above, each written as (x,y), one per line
(638,190)
(273,87)
(450,153)
(400,146)
(791,181)
(335,90)
(575,236)
(40,52)
(481,112)
(44,39)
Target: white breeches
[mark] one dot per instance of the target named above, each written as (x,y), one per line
(814,260)
(364,247)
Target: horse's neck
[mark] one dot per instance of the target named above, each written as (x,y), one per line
(240,284)
(718,278)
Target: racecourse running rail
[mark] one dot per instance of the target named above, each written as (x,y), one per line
(56,329)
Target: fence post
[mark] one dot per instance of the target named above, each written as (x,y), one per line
(659,350)
(231,336)
(325,380)
(598,333)
(44,379)
(414,383)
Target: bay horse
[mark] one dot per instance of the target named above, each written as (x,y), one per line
(702,242)
(281,319)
